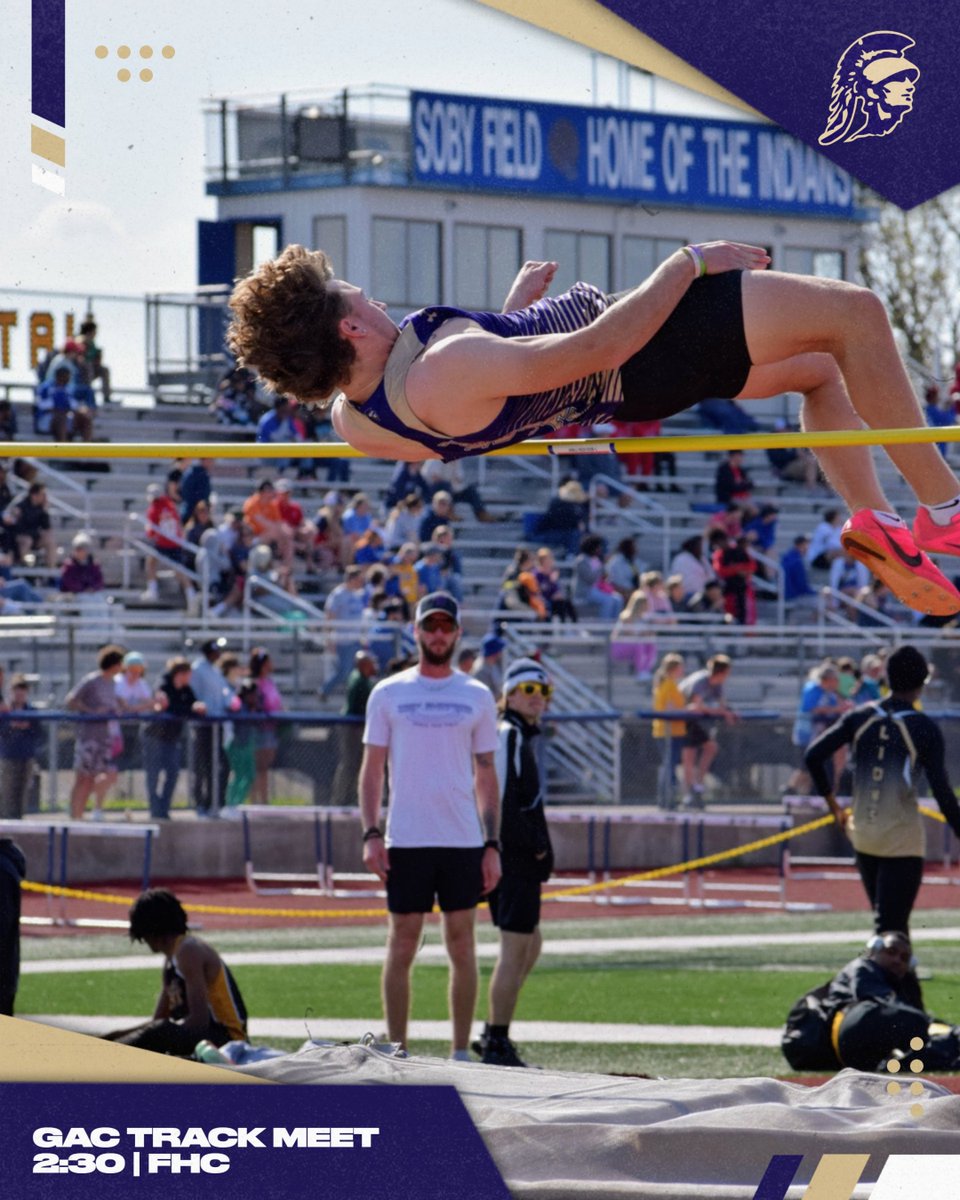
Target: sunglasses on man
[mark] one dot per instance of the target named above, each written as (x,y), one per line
(434,623)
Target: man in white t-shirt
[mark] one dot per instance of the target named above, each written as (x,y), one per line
(437,728)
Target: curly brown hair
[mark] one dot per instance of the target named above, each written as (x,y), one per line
(285,326)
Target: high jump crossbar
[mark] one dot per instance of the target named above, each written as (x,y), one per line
(771,440)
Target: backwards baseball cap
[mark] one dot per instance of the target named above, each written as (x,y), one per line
(523,670)
(907,669)
(213,645)
(438,602)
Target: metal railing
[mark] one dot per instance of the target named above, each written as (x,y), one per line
(757,755)
(642,515)
(135,544)
(63,480)
(829,615)
(591,765)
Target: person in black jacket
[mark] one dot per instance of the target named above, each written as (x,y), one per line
(870,1012)
(891,743)
(13,868)
(525,853)
(732,481)
(162,741)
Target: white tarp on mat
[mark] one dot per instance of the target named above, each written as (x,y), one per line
(561,1136)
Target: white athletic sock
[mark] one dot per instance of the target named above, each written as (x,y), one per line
(887,518)
(943,514)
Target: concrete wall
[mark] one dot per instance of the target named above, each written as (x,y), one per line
(187,848)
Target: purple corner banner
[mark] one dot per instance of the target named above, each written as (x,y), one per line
(890,117)
(48,52)
(171,1141)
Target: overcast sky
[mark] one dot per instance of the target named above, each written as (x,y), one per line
(135,150)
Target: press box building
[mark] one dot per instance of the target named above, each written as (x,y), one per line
(422,197)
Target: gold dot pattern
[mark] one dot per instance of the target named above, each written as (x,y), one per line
(915,1088)
(146,52)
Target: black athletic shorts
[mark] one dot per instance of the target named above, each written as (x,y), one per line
(698,735)
(699,353)
(515,904)
(419,875)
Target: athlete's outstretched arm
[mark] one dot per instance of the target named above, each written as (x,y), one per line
(480,369)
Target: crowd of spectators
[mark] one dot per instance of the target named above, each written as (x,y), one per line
(372,556)
(132,719)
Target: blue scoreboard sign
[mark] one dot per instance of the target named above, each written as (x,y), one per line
(475,142)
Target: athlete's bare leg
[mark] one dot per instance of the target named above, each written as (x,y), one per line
(403,940)
(849,470)
(790,315)
(458,937)
(518,954)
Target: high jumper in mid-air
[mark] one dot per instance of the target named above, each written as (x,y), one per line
(711,321)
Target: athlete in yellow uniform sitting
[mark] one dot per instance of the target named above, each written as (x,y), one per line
(199,999)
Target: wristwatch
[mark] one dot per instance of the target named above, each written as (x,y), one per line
(373,832)
(492,844)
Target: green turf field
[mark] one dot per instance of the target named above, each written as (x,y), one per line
(713,984)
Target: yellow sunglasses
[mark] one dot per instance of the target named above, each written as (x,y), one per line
(531,689)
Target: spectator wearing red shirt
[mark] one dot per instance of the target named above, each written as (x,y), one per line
(303,531)
(734,566)
(164,531)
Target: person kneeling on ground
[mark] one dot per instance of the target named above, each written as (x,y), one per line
(526,854)
(199,999)
(871,1011)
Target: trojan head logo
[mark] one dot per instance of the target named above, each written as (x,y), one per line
(873,88)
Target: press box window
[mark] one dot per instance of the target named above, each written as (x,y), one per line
(330,234)
(640,257)
(406,263)
(583,256)
(486,261)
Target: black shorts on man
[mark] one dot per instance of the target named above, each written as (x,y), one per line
(419,875)
(699,353)
(515,904)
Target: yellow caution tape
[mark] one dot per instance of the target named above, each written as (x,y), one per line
(693,864)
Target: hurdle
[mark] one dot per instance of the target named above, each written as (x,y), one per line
(324,878)
(589,822)
(681,891)
(632,893)
(842,868)
(58,864)
(282,883)
(776,892)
